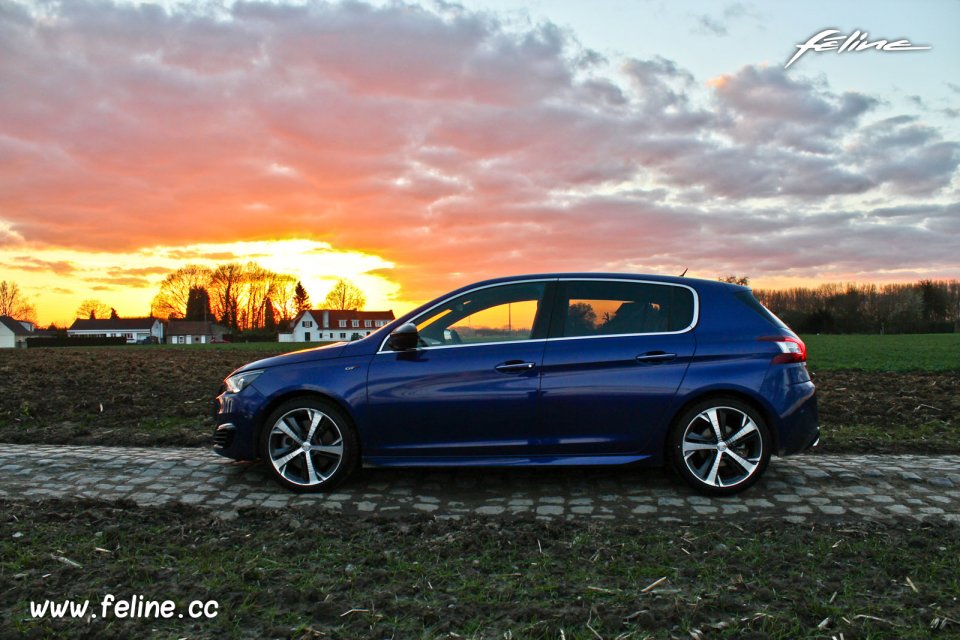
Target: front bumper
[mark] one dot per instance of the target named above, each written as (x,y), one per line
(235,418)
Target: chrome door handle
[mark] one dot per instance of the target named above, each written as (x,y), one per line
(656,356)
(514,367)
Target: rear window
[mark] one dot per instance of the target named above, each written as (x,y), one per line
(746,297)
(597,308)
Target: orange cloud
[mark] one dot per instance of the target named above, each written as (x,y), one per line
(441,142)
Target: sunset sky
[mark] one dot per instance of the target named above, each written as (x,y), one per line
(416,147)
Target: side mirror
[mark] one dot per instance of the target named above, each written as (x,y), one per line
(404,338)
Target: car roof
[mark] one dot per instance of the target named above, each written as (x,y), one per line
(697,283)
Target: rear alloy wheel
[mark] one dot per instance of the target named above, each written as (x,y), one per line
(721,446)
(309,445)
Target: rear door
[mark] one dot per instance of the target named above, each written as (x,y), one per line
(618,351)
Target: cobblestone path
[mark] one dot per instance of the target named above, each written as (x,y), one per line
(797,489)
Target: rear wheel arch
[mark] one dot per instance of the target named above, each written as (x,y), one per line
(739,394)
(720,444)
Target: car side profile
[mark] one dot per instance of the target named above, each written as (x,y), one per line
(556,369)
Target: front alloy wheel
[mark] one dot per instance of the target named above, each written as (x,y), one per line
(309,445)
(721,446)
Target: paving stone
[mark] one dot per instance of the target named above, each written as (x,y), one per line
(670,502)
(786,497)
(800,488)
(832,510)
(735,508)
(490,510)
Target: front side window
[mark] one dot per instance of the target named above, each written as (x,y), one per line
(598,308)
(495,314)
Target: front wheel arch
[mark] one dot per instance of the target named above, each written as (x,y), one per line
(267,409)
(329,443)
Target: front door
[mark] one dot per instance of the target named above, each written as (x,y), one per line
(471,387)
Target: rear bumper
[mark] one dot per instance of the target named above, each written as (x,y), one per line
(800,422)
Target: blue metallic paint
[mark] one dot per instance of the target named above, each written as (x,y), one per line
(587,401)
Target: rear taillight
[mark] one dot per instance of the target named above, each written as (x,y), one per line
(792,349)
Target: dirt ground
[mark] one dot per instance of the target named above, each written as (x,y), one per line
(314,574)
(163,397)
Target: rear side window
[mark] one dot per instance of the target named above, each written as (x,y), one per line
(598,308)
(746,297)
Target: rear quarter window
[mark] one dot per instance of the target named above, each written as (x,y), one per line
(746,297)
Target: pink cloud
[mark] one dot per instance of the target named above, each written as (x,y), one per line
(444,141)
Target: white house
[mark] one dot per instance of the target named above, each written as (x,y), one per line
(331,325)
(194,332)
(133,329)
(14,333)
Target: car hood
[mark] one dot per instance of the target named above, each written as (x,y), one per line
(326,352)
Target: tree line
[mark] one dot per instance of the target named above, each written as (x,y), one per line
(927,306)
(243,297)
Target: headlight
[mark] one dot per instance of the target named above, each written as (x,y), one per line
(238,381)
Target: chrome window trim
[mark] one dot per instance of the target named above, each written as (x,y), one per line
(693,322)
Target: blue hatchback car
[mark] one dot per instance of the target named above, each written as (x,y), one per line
(557,369)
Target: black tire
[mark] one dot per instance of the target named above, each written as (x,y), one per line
(333,452)
(726,464)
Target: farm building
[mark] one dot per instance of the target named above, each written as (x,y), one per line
(326,325)
(194,332)
(14,333)
(133,329)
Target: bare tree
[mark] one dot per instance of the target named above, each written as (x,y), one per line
(225,290)
(732,279)
(14,303)
(345,295)
(93,309)
(254,293)
(175,289)
(283,294)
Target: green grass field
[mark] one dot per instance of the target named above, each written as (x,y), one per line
(924,352)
